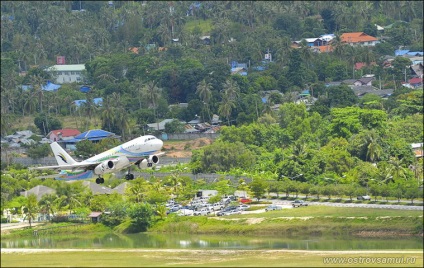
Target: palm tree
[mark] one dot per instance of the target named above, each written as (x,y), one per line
(231,89)
(371,142)
(204,93)
(226,107)
(47,204)
(153,93)
(37,83)
(31,208)
(108,112)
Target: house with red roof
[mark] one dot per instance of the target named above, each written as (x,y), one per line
(416,82)
(359,39)
(360,65)
(63,134)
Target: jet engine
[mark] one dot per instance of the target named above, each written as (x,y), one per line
(145,163)
(109,166)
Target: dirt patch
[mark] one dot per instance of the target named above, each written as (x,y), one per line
(184,148)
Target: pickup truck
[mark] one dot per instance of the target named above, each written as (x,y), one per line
(299,203)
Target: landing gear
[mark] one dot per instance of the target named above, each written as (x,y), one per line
(129,176)
(100,180)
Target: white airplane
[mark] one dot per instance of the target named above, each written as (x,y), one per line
(142,151)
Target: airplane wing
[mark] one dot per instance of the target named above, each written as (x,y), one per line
(85,166)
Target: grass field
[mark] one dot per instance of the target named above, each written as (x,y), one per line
(207,258)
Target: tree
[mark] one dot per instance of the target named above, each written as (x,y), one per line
(46,123)
(31,208)
(141,215)
(258,187)
(205,94)
(175,126)
(39,151)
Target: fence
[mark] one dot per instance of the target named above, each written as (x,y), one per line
(191,136)
(209,178)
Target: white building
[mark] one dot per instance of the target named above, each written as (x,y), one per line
(67,73)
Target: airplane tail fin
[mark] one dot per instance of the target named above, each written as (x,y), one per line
(62,157)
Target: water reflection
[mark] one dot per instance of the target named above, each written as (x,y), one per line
(112,240)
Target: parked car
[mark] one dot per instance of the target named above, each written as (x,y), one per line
(273,207)
(225,211)
(185,212)
(201,212)
(245,200)
(217,206)
(299,203)
(243,207)
(363,197)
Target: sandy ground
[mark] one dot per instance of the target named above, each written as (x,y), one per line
(177,149)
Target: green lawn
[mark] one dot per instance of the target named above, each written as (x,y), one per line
(203,258)
(324,211)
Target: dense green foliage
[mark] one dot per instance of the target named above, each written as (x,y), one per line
(137,88)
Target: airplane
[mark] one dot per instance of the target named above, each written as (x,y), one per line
(141,151)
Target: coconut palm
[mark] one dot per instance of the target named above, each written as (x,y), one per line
(47,204)
(153,94)
(31,208)
(204,92)
(108,112)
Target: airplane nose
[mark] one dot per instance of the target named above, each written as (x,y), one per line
(160,144)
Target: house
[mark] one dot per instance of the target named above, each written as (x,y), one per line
(360,91)
(323,49)
(239,70)
(364,81)
(97,188)
(360,65)
(94,135)
(206,39)
(120,189)
(206,193)
(95,216)
(50,86)
(418,149)
(39,191)
(417,69)
(96,101)
(358,39)
(349,82)
(159,126)
(416,82)
(67,73)
(63,134)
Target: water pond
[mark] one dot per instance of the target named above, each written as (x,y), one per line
(187,241)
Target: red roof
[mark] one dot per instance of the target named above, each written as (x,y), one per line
(415,80)
(327,48)
(360,65)
(67,132)
(357,37)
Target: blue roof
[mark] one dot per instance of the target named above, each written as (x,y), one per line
(401,52)
(50,86)
(92,135)
(415,53)
(97,101)
(85,89)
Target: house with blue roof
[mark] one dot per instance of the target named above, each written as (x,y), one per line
(94,135)
(96,101)
(50,86)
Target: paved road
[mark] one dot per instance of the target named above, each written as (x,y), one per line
(8,226)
